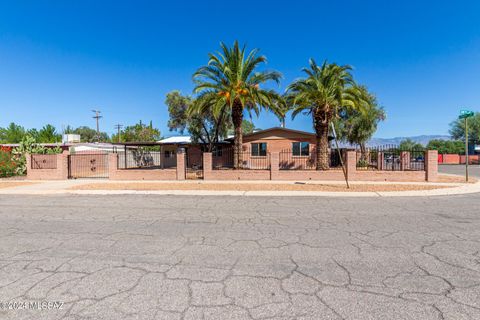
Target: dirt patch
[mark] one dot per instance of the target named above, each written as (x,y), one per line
(253,187)
(455,179)
(11,184)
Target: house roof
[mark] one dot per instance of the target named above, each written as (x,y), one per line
(274,129)
(177,140)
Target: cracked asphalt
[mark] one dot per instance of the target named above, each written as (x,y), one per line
(198,257)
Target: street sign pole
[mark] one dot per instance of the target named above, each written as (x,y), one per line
(466,150)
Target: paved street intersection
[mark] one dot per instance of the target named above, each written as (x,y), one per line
(197,257)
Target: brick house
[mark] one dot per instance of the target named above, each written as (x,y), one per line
(297,145)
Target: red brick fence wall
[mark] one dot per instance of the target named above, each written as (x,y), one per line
(60,172)
(429,174)
(458,159)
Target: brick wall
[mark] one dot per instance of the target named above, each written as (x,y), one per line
(429,174)
(60,172)
(451,158)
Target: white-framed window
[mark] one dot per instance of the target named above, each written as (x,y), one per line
(259,149)
(300,148)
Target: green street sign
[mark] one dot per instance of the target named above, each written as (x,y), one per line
(465,114)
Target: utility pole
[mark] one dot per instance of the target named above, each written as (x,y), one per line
(97,117)
(465,114)
(118,127)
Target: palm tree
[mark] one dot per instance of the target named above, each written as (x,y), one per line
(322,94)
(281,110)
(230,85)
(358,127)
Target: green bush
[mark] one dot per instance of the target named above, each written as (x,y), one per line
(362,163)
(7,164)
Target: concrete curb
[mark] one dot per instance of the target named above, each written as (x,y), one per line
(57,188)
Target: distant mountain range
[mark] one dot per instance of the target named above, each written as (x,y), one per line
(423,140)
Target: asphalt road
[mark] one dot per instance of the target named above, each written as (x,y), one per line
(175,257)
(473,170)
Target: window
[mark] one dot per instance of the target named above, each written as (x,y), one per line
(259,149)
(300,148)
(217,151)
(169,154)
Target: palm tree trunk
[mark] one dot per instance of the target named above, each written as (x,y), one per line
(237,118)
(323,162)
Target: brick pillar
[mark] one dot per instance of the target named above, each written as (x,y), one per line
(28,157)
(207,165)
(351,164)
(112,165)
(274,165)
(162,158)
(404,160)
(380,156)
(431,165)
(181,164)
(62,165)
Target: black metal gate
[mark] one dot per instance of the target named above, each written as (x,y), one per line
(193,164)
(88,165)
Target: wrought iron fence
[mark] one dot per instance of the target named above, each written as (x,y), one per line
(222,159)
(43,161)
(292,160)
(391,158)
(146,159)
(288,160)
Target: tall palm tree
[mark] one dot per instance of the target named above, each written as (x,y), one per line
(358,127)
(230,84)
(322,94)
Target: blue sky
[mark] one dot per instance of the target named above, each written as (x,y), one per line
(60,59)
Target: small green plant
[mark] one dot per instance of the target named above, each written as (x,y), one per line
(362,163)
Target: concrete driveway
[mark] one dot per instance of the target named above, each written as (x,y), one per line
(179,257)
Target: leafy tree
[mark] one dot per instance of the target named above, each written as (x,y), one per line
(87,134)
(447,146)
(230,85)
(408,144)
(457,128)
(203,127)
(325,91)
(247,126)
(48,134)
(357,127)
(32,133)
(139,132)
(12,134)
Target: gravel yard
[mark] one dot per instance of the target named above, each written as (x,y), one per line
(150,186)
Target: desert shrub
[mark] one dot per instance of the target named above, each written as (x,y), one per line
(362,163)
(7,164)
